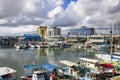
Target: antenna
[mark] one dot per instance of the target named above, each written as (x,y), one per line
(111,39)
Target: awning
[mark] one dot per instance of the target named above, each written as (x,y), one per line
(68,63)
(49,67)
(89,60)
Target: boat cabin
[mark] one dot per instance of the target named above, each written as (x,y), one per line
(33,72)
(6,73)
(89,63)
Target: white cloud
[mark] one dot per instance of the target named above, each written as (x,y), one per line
(19,13)
(55,11)
(3,21)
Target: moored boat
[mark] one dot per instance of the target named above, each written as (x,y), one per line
(33,72)
(77,70)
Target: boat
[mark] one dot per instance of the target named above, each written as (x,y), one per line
(90,63)
(76,70)
(6,73)
(33,72)
(97,66)
(107,57)
(54,72)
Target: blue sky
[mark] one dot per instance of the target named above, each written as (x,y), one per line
(66,3)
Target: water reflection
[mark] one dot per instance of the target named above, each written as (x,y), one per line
(18,58)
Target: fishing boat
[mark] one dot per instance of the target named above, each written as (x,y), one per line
(76,70)
(6,73)
(54,72)
(102,70)
(33,72)
(97,66)
(90,63)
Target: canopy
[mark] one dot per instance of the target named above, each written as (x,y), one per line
(49,67)
(68,63)
(6,70)
(107,65)
(89,60)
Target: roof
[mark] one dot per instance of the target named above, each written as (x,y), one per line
(89,60)
(6,70)
(49,67)
(68,63)
(30,35)
(31,66)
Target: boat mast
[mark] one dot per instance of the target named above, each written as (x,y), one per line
(111,40)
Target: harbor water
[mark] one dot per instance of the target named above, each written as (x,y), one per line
(16,59)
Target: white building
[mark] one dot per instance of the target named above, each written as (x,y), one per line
(96,39)
(54,31)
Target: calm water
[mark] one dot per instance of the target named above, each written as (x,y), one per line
(16,59)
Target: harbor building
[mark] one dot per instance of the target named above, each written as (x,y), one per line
(54,31)
(6,41)
(54,34)
(96,39)
(31,37)
(83,31)
(42,31)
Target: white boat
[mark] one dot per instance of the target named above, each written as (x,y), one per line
(117,53)
(6,73)
(96,66)
(90,63)
(75,70)
(107,57)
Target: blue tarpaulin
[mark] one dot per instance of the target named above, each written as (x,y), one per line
(31,37)
(49,67)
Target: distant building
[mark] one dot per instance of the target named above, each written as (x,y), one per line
(83,31)
(42,31)
(96,39)
(54,31)
(31,37)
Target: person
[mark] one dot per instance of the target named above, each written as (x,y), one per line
(113,73)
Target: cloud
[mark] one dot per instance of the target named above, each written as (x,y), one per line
(26,11)
(90,12)
(93,13)
(3,21)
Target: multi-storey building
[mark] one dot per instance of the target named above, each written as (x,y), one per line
(83,31)
(42,31)
(54,31)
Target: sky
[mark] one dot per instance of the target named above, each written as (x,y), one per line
(23,16)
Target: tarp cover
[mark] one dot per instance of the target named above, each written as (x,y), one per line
(49,67)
